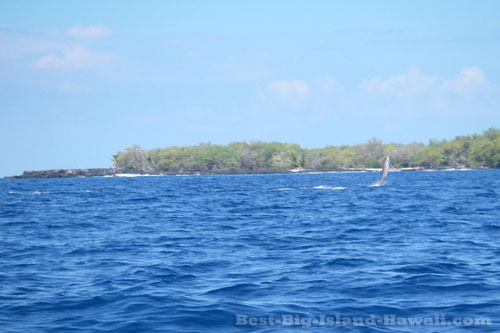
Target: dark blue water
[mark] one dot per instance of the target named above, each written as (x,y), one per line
(274,252)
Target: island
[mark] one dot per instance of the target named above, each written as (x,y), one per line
(471,151)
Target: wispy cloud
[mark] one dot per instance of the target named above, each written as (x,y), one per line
(70,48)
(469,80)
(89,32)
(413,81)
(329,84)
(17,44)
(64,54)
(288,90)
(75,58)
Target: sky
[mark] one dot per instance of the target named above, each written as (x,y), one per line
(83,80)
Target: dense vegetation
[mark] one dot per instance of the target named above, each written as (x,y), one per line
(463,151)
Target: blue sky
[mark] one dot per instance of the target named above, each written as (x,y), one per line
(82,80)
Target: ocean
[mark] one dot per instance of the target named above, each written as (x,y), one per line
(252,253)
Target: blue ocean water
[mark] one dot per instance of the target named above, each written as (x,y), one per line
(237,253)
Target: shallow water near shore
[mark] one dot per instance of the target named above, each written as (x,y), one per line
(189,254)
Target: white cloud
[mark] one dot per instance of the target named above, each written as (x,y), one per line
(467,82)
(413,81)
(89,32)
(288,89)
(329,84)
(75,58)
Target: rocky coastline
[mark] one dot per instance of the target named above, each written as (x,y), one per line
(67,173)
(113,172)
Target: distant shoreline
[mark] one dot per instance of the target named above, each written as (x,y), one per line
(112,172)
(478,151)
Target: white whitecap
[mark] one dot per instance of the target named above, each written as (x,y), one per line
(28,193)
(327,187)
(284,189)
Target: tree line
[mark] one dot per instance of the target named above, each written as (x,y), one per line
(478,150)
